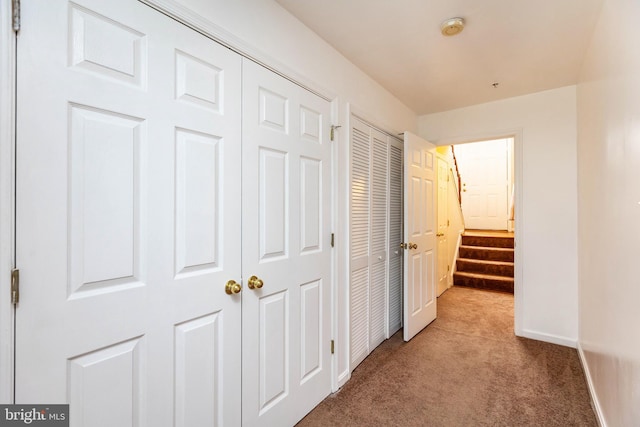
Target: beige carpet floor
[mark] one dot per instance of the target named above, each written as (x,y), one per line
(465,369)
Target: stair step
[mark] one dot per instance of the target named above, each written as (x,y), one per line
(487,241)
(483,281)
(495,268)
(486,253)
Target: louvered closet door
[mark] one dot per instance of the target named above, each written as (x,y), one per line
(378,240)
(395,235)
(360,236)
(128,200)
(372,209)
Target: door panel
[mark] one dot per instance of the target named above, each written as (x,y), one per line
(286,244)
(360,227)
(484,170)
(420,235)
(129,216)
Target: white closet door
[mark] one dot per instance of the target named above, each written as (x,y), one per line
(360,232)
(371,297)
(129,217)
(395,236)
(378,239)
(286,214)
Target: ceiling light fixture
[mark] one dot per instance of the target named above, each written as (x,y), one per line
(452,26)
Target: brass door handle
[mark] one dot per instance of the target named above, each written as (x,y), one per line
(408,246)
(255,283)
(232,287)
(439,234)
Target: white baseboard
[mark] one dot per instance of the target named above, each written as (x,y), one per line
(553,339)
(595,403)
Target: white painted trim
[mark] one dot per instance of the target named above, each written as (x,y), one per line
(454,267)
(212,30)
(519,291)
(337,249)
(344,266)
(7,198)
(553,339)
(595,402)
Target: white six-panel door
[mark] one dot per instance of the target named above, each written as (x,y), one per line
(286,239)
(484,171)
(420,234)
(128,214)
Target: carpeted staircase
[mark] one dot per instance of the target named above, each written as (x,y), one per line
(485,261)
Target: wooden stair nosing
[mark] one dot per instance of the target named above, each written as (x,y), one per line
(483,281)
(487,253)
(488,241)
(490,267)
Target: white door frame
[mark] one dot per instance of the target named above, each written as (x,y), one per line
(7,167)
(519,291)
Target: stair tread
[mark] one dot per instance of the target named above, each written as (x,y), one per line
(484,276)
(487,248)
(486,261)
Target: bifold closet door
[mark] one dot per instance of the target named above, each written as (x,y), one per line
(396,217)
(128,199)
(286,245)
(375,216)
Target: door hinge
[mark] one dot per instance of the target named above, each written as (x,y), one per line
(448,267)
(333,131)
(15,15)
(15,286)
(332,346)
(448,223)
(333,240)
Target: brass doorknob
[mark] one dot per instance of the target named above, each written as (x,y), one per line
(232,287)
(439,234)
(403,246)
(255,282)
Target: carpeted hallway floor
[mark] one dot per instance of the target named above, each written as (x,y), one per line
(465,369)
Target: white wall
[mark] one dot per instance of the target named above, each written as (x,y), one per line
(544,126)
(609,213)
(267,32)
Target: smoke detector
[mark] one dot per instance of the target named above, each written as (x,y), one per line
(452,26)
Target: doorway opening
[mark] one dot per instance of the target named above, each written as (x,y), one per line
(477,215)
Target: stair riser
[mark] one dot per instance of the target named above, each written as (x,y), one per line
(487,255)
(496,242)
(482,268)
(483,283)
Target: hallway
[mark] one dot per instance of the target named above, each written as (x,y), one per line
(466,368)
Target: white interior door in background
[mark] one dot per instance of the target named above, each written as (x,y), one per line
(419,234)
(286,220)
(483,170)
(443,224)
(128,199)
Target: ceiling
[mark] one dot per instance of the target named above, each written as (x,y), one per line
(525,46)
